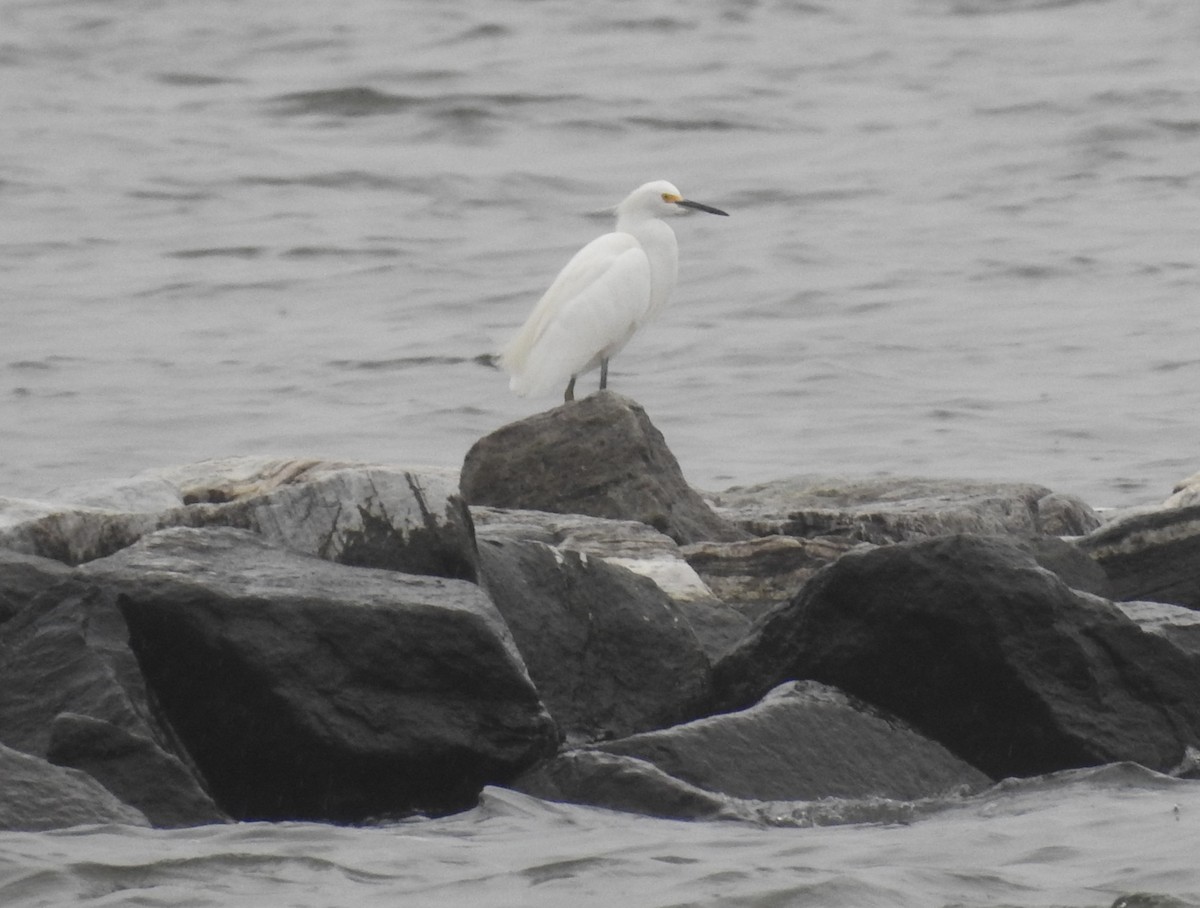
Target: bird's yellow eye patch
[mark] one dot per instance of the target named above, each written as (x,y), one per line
(670,197)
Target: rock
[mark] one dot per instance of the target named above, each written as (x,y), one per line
(599,456)
(310,690)
(357,514)
(1174,622)
(1185,494)
(629,544)
(70,534)
(622,783)
(23,577)
(1152,555)
(974,645)
(134,768)
(803,741)
(609,652)
(66,654)
(36,795)
(895,509)
(758,572)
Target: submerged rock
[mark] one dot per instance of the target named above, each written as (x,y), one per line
(617,782)
(599,456)
(311,690)
(976,646)
(803,741)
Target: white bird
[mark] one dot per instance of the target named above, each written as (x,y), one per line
(609,289)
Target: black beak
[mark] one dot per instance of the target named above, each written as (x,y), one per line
(699,207)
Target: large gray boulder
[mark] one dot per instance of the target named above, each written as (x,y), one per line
(599,456)
(968,640)
(359,514)
(609,651)
(899,508)
(1151,555)
(36,795)
(310,690)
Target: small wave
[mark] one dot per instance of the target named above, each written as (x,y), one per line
(398,363)
(710,124)
(361,101)
(237,252)
(1000,7)
(355,101)
(337,179)
(192,79)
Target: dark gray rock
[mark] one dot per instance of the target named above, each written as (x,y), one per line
(134,768)
(1175,623)
(67,654)
(599,456)
(36,795)
(1152,555)
(23,577)
(608,650)
(895,509)
(803,741)
(758,572)
(309,690)
(616,782)
(627,544)
(357,514)
(971,642)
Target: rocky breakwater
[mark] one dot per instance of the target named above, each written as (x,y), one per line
(283,639)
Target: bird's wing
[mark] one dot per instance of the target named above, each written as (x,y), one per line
(589,312)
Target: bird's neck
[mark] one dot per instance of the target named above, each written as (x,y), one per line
(658,242)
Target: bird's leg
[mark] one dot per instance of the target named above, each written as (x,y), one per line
(603,373)
(569,394)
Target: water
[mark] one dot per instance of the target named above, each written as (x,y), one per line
(1071,841)
(964,235)
(964,242)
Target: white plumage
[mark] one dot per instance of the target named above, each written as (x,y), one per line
(609,289)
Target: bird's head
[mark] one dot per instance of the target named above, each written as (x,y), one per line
(659,198)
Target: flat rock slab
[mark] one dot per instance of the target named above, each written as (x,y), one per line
(358,514)
(804,741)
(1151,555)
(972,643)
(310,690)
(895,509)
(600,456)
(36,795)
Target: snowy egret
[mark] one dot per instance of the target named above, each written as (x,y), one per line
(609,289)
